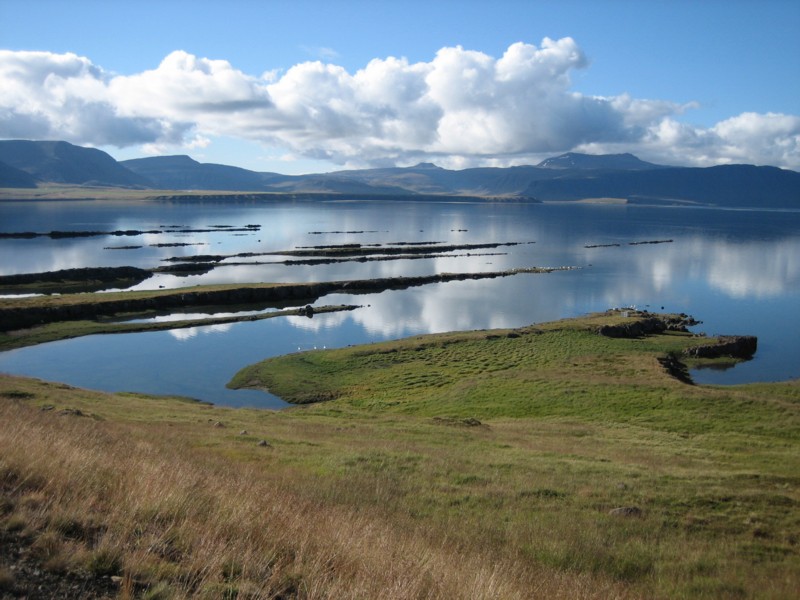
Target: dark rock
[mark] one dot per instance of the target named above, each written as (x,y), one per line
(71,412)
(626,511)
(263,444)
(634,329)
(468,422)
(734,346)
(646,324)
(22,575)
(676,368)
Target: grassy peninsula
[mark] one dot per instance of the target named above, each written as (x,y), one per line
(543,462)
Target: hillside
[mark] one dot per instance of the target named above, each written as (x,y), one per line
(724,186)
(184,173)
(12,177)
(61,162)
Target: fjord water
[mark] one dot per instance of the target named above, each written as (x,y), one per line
(737,271)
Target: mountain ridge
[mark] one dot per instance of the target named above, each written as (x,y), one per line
(576,160)
(62,162)
(568,177)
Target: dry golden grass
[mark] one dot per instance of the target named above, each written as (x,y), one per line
(137,501)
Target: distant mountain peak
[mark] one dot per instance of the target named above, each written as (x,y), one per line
(171,159)
(425,165)
(62,162)
(576,160)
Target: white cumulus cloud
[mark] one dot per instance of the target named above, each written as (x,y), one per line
(64,96)
(461,108)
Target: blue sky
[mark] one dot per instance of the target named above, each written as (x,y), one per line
(285,86)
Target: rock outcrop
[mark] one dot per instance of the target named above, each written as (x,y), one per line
(733,346)
(646,324)
(633,329)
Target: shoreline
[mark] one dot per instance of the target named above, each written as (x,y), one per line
(31,313)
(312,377)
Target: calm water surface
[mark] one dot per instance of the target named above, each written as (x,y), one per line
(737,271)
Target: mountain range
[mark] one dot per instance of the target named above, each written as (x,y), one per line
(568,177)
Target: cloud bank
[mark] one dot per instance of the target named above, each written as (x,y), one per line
(463,108)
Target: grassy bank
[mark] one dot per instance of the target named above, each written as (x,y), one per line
(477,465)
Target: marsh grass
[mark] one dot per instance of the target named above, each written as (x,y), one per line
(396,490)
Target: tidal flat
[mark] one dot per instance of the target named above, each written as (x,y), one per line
(549,461)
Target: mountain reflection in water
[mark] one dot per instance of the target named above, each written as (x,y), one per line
(737,271)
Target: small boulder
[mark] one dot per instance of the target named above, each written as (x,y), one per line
(71,412)
(263,444)
(626,511)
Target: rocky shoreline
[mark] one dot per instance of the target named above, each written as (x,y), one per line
(736,347)
(647,324)
(732,346)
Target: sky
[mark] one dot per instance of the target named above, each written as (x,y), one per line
(309,86)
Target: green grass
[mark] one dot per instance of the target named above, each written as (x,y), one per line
(563,371)
(505,449)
